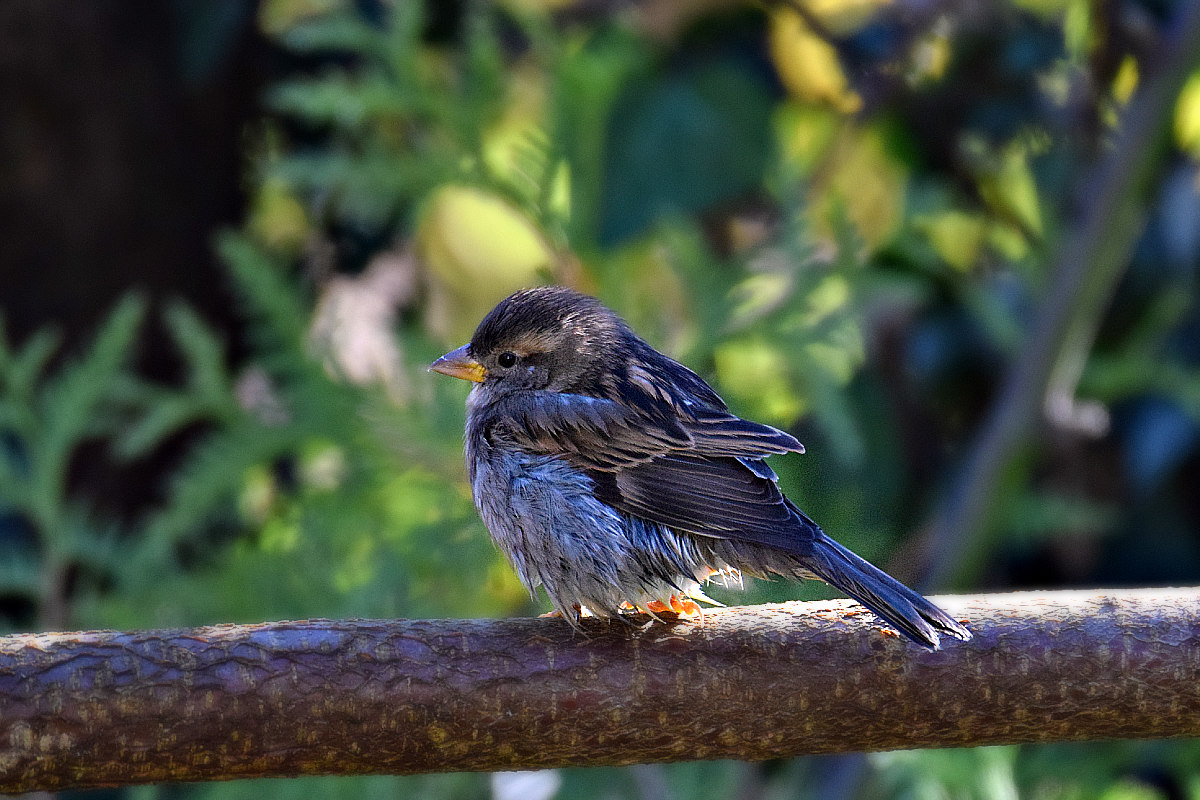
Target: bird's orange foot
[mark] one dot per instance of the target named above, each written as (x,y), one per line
(556,614)
(679,606)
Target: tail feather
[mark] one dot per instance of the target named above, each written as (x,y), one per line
(906,610)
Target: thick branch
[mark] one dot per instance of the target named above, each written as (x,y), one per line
(105,708)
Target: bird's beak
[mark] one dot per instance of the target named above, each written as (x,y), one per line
(459,364)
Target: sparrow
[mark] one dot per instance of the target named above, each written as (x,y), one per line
(618,480)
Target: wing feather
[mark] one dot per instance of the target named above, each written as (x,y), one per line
(696,469)
(719,497)
(604,434)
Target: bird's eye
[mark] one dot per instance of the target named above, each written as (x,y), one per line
(506,359)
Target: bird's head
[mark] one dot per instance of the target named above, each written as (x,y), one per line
(548,338)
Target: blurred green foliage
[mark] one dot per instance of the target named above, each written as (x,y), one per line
(844,220)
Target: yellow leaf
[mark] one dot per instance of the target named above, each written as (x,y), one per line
(478,249)
(808,65)
(1187,116)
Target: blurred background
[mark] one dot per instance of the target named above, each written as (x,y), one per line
(953,247)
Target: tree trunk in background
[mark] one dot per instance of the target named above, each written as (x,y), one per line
(122,151)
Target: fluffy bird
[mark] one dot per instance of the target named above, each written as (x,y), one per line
(616,478)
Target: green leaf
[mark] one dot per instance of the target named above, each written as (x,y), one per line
(24,368)
(270,302)
(204,354)
(349,101)
(71,403)
(164,417)
(332,33)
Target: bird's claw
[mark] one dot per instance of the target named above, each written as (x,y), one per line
(680,606)
(556,614)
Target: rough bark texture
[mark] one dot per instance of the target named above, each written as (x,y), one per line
(106,708)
